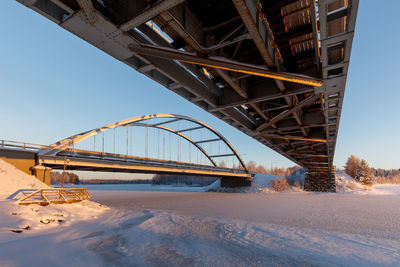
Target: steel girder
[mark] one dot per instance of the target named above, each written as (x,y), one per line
(317,45)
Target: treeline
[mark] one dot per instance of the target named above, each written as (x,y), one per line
(252,166)
(69,178)
(116,181)
(291,176)
(360,170)
(162,179)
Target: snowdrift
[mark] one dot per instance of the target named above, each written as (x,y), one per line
(12,180)
(14,184)
(346,184)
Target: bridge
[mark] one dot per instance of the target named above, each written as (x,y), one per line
(276,70)
(156,144)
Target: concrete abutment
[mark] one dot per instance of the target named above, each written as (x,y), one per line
(320,182)
(235,182)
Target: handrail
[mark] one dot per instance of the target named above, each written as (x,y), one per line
(23,145)
(55,195)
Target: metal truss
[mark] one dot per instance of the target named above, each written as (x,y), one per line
(276,70)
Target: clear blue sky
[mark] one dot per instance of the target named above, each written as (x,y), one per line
(53,85)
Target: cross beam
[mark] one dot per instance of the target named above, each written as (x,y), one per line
(264,98)
(286,113)
(88,8)
(150,13)
(222,63)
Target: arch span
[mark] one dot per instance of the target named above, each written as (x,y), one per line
(145,121)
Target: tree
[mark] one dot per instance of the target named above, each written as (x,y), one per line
(252,166)
(351,165)
(363,173)
(222,164)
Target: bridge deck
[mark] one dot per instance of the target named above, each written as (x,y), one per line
(95,161)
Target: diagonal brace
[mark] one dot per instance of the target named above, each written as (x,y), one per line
(222,63)
(287,112)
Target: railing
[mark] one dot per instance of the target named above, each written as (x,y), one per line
(23,145)
(46,196)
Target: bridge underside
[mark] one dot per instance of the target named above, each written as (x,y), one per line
(276,70)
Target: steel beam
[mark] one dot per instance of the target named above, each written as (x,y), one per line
(262,42)
(221,63)
(191,129)
(314,24)
(292,137)
(309,155)
(208,141)
(263,98)
(222,155)
(63,6)
(296,127)
(251,26)
(232,83)
(338,13)
(88,8)
(286,113)
(150,13)
(165,122)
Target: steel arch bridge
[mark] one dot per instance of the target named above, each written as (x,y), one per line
(66,154)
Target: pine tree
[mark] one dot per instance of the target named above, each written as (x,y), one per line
(363,173)
(351,165)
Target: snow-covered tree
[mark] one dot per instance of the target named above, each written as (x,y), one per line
(363,173)
(352,164)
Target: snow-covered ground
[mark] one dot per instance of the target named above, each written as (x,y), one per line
(348,185)
(154,228)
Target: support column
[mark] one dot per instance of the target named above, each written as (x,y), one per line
(234,182)
(320,182)
(42,173)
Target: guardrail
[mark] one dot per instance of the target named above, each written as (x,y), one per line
(23,145)
(46,196)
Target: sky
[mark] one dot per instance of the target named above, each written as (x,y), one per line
(54,85)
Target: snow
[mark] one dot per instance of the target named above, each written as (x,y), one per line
(346,184)
(12,180)
(170,228)
(15,184)
(385,189)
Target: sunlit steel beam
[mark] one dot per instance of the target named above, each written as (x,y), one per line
(222,63)
(291,137)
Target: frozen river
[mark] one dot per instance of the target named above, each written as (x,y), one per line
(370,215)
